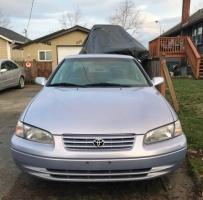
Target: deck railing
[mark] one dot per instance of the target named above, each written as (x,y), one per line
(193,56)
(167,45)
(176,47)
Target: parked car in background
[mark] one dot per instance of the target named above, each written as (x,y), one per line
(11,74)
(99,118)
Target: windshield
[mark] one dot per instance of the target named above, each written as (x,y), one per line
(102,72)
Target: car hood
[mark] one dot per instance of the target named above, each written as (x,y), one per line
(98,110)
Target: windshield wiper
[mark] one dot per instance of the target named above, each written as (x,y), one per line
(107,85)
(66,85)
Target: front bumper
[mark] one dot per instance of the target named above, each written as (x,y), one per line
(99,170)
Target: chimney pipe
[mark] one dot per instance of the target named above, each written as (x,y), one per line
(185,11)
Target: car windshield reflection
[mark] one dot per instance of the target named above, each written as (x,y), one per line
(99,72)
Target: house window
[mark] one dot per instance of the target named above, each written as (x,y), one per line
(44,55)
(194,31)
(194,35)
(199,34)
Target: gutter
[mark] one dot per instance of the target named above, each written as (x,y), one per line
(5,38)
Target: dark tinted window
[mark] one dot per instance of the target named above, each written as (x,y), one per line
(4,65)
(11,65)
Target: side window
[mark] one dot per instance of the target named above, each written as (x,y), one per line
(4,65)
(11,65)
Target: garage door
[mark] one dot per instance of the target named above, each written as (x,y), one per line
(67,51)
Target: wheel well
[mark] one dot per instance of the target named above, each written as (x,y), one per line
(22,76)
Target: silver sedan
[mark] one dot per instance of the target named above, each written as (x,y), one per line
(99,118)
(11,74)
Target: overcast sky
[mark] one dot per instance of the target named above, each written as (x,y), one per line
(45,14)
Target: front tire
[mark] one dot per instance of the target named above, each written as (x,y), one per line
(21,83)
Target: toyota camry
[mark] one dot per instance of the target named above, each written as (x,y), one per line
(98,118)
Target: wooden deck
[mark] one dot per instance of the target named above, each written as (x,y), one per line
(177,47)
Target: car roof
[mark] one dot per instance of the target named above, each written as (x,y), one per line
(99,56)
(2,60)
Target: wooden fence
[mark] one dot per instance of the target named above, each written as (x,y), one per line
(153,69)
(36,69)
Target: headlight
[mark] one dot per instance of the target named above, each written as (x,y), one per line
(163,133)
(33,134)
(178,128)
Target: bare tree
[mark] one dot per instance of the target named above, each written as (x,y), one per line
(4,20)
(127,16)
(198,5)
(70,19)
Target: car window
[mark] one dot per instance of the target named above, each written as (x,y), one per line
(11,65)
(86,71)
(4,66)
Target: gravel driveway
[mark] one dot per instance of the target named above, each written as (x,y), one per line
(19,186)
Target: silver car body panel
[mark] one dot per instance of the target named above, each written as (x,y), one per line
(98,113)
(112,110)
(93,170)
(11,78)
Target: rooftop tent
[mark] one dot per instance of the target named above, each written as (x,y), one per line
(112,39)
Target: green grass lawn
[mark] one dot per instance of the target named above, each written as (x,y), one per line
(190,98)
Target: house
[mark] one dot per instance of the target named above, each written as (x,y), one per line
(55,46)
(192,27)
(182,43)
(8,40)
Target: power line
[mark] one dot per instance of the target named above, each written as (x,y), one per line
(30,15)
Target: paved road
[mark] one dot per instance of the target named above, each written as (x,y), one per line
(19,186)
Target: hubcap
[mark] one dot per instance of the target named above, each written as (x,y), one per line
(21,82)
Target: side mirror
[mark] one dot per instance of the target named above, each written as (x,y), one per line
(3,70)
(40,81)
(157,80)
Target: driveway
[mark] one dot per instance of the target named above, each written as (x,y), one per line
(17,185)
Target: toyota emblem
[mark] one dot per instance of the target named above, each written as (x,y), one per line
(98,142)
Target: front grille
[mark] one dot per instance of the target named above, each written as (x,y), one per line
(102,174)
(107,142)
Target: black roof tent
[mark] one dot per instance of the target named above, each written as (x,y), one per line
(113,39)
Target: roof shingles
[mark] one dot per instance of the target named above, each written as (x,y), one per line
(12,35)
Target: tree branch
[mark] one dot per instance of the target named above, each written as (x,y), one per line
(4,20)
(70,19)
(127,16)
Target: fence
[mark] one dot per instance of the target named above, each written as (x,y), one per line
(153,69)
(35,69)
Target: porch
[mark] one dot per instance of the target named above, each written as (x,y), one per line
(177,47)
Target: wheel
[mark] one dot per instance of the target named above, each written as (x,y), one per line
(21,83)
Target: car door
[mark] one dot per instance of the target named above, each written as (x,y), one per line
(15,72)
(6,77)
